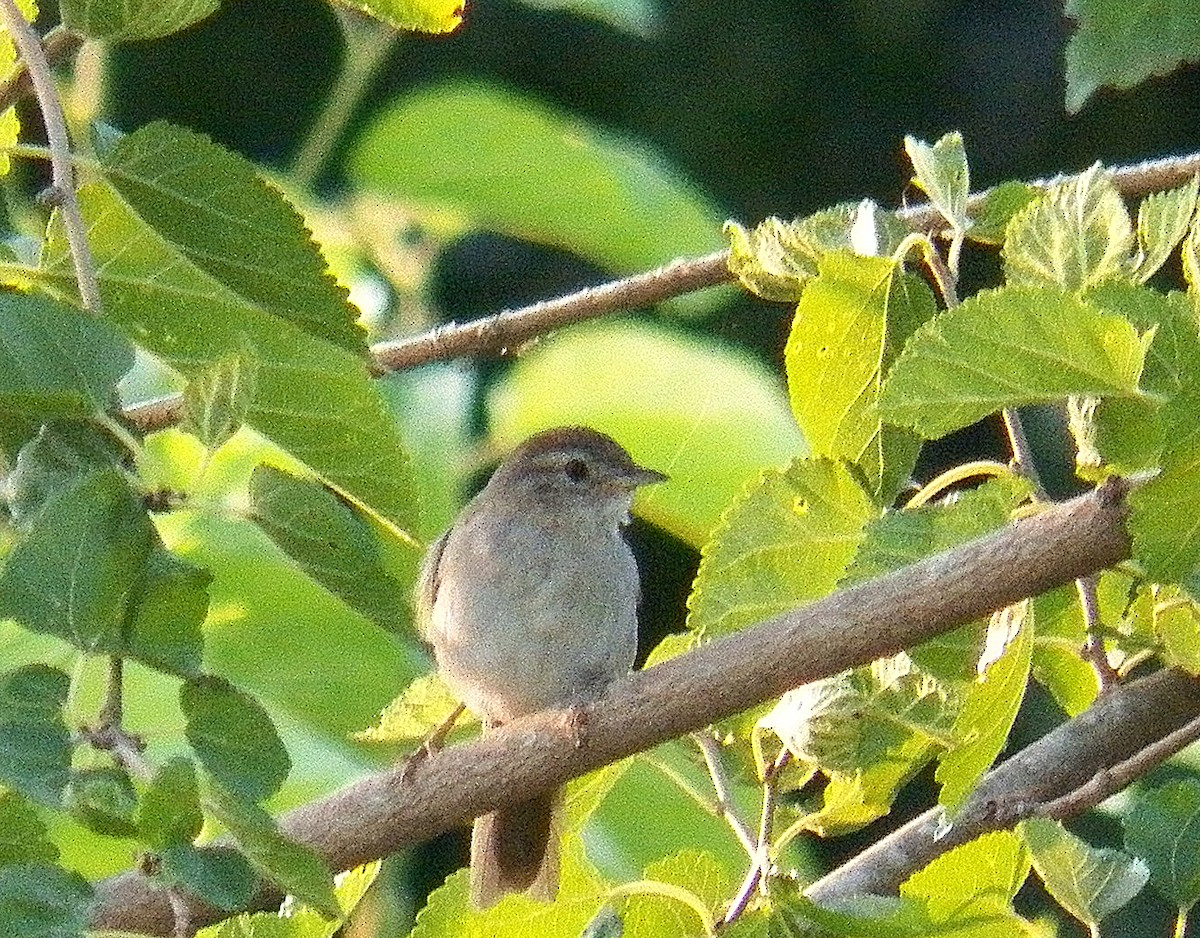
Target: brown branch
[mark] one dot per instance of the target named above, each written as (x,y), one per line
(379,815)
(1120,725)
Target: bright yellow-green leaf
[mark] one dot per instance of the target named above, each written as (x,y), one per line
(424,16)
(132,20)
(978,879)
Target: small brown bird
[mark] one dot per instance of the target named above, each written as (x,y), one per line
(530,601)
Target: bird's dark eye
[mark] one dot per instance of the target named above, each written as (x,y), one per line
(576,470)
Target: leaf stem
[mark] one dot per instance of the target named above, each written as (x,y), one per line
(760,865)
(62,173)
(367,43)
(954,475)
(653,887)
(710,750)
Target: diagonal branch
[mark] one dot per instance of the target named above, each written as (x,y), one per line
(385,812)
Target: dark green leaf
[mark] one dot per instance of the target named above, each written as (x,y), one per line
(1121,43)
(73,573)
(850,324)
(38,900)
(313,399)
(130,20)
(212,207)
(1089,882)
(637,17)
(1006,348)
(55,362)
(1076,235)
(785,541)
(104,800)
(219,875)
(218,396)
(1163,829)
(234,738)
(512,165)
(22,834)
(35,748)
(298,870)
(331,543)
(56,459)
(941,172)
(169,812)
(169,605)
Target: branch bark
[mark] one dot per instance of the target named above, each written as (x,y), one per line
(385,812)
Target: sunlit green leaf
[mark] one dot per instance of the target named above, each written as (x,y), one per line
(331,543)
(685,893)
(1163,220)
(852,321)
(233,737)
(989,219)
(424,16)
(940,171)
(1089,882)
(1057,663)
(512,165)
(1075,236)
(423,705)
(1121,43)
(1006,348)
(976,880)
(1163,829)
(987,715)
(784,542)
(1177,625)
(131,20)
(35,748)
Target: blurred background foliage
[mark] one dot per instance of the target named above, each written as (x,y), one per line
(644,125)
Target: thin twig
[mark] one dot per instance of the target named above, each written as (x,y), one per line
(1093,644)
(113,711)
(760,864)
(1022,453)
(62,173)
(710,750)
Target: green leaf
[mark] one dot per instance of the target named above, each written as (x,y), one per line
(1163,517)
(1075,236)
(682,896)
(234,738)
(990,218)
(851,322)
(295,868)
(1007,348)
(1089,882)
(1061,633)
(709,417)
(218,875)
(169,812)
(420,708)
(38,900)
(973,882)
(424,16)
(218,396)
(104,800)
(331,543)
(1177,625)
(55,460)
(1163,829)
(168,607)
(132,20)
(988,712)
(1163,220)
(784,542)
(73,573)
(212,207)
(1121,43)
(35,748)
(940,171)
(312,398)
(514,166)
(22,834)
(56,362)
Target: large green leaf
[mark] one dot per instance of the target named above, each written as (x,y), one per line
(331,543)
(35,749)
(1163,829)
(55,362)
(784,542)
(73,573)
(851,322)
(131,20)
(1121,43)
(710,418)
(513,165)
(696,887)
(1089,882)
(212,207)
(973,883)
(38,900)
(234,738)
(312,398)
(1009,347)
